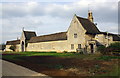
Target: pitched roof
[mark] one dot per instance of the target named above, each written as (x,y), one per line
(116,37)
(50,37)
(105,33)
(29,34)
(14,42)
(88,26)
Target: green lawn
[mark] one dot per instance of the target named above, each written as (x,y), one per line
(114,72)
(66,55)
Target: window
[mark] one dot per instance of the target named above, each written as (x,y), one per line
(75,35)
(72,46)
(79,46)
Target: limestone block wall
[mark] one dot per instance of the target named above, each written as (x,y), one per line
(88,37)
(103,39)
(17,48)
(22,39)
(58,46)
(7,48)
(76,28)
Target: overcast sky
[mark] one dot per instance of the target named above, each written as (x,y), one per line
(51,17)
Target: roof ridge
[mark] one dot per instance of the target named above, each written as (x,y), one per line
(82,17)
(109,33)
(49,37)
(29,31)
(15,40)
(50,34)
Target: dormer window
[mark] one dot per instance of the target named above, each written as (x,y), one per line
(75,35)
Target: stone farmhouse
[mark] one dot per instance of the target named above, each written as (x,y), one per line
(82,35)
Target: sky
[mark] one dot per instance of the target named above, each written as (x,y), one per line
(51,16)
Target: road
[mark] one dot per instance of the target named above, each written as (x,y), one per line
(11,69)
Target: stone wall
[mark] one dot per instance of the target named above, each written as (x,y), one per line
(58,46)
(22,40)
(17,48)
(76,28)
(104,39)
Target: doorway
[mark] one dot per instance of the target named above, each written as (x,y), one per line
(22,46)
(92,48)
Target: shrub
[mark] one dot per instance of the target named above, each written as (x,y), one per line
(13,47)
(81,52)
(102,50)
(114,47)
(73,52)
(65,52)
(52,52)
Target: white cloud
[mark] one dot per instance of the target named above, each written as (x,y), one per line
(52,17)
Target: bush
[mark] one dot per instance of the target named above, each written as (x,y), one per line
(114,47)
(52,52)
(102,50)
(65,52)
(81,52)
(73,52)
(13,47)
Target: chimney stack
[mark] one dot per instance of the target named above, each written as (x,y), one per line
(90,16)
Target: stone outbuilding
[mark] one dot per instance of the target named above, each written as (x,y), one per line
(21,44)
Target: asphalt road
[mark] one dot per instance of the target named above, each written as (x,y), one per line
(11,69)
